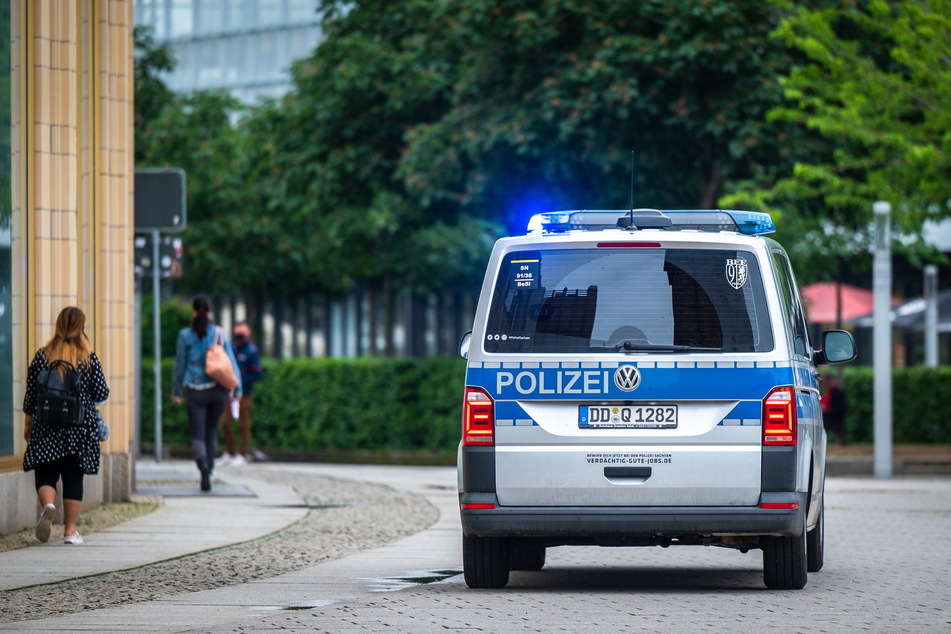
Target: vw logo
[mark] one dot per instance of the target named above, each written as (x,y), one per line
(627,378)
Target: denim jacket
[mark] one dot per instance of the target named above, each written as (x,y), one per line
(190,360)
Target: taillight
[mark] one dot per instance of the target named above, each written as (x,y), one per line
(779,417)
(478,418)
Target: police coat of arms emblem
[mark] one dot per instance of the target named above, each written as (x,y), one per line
(737,272)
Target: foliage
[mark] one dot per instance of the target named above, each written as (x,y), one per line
(920,407)
(151,94)
(196,133)
(334,404)
(550,98)
(337,404)
(230,244)
(174,420)
(175,314)
(420,131)
(509,108)
(334,145)
(877,85)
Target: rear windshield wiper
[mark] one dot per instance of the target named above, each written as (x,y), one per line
(629,345)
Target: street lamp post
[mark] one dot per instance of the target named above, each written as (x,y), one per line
(931,316)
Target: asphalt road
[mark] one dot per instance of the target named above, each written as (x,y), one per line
(888,553)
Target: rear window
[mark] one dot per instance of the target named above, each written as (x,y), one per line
(628,299)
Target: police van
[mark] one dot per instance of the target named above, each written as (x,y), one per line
(643,378)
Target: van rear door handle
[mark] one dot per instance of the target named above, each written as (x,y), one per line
(627,475)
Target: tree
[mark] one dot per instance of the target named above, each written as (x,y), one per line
(550,98)
(234,240)
(196,133)
(877,86)
(417,126)
(151,93)
(335,143)
(417,129)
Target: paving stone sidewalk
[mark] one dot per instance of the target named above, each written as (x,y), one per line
(191,543)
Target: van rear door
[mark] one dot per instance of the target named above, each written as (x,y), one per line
(628,374)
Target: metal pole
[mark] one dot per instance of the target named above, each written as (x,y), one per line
(882,337)
(157,341)
(137,389)
(931,316)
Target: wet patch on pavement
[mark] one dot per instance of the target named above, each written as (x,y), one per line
(297,605)
(410,580)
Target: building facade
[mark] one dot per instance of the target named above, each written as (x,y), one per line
(66,218)
(242,46)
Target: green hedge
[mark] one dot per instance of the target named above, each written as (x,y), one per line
(336,404)
(921,404)
(311,405)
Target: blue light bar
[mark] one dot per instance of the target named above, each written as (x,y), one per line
(556,221)
(752,223)
(746,222)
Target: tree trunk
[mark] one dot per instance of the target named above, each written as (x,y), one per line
(388,350)
(711,176)
(711,189)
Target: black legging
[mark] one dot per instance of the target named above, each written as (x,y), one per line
(67,467)
(204,407)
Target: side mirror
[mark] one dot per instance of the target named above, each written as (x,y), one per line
(464,345)
(837,347)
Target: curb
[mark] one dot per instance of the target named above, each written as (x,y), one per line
(865,466)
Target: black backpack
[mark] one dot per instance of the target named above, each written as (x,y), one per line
(58,401)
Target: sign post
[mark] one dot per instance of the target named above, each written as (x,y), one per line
(157,343)
(882,338)
(159,206)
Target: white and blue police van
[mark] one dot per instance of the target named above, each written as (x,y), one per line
(643,378)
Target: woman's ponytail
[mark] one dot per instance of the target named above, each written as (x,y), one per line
(202,308)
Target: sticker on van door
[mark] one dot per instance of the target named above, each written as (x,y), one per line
(737,272)
(629,458)
(525,273)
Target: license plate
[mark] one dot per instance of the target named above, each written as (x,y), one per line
(648,416)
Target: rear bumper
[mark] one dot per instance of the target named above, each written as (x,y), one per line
(582,522)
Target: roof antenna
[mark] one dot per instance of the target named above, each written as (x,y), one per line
(632,181)
(631,219)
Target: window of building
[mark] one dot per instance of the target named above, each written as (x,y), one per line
(6,233)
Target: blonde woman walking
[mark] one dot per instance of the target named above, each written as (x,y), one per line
(66,452)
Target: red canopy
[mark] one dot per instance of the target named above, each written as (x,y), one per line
(820,301)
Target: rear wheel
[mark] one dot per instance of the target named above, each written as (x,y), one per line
(815,543)
(485,561)
(784,562)
(528,557)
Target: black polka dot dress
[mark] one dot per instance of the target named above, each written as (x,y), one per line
(52,442)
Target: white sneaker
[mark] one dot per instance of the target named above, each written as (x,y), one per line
(75,538)
(238,461)
(46,523)
(225,459)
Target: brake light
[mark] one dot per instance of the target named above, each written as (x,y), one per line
(629,245)
(478,418)
(779,417)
